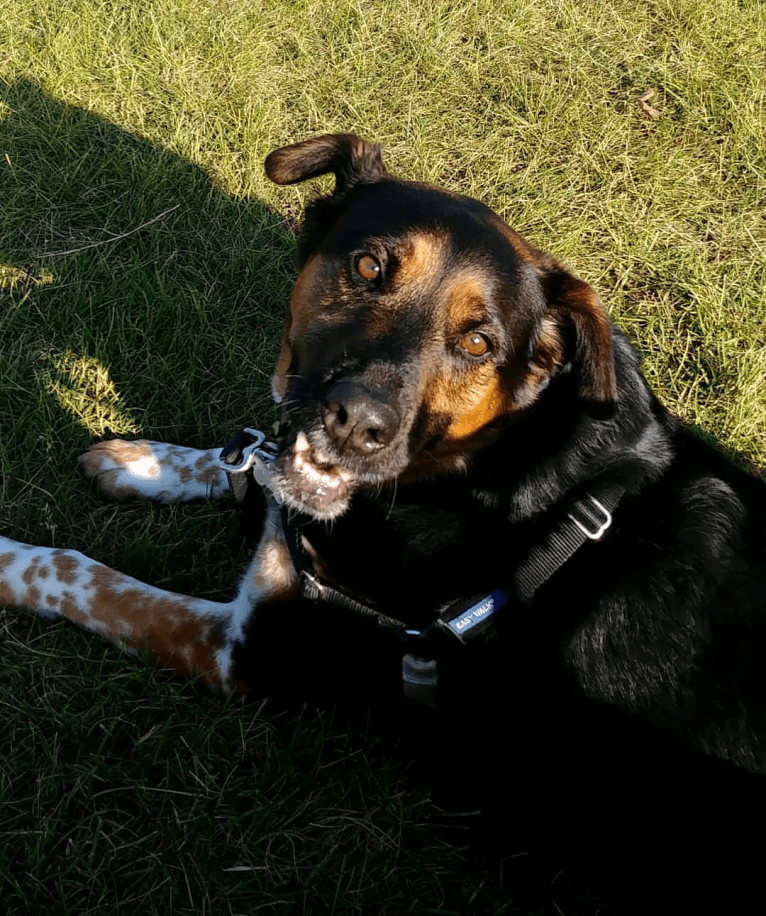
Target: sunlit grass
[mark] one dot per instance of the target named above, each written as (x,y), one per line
(22,279)
(145,263)
(82,387)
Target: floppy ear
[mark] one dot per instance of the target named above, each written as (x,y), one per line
(352,160)
(585,331)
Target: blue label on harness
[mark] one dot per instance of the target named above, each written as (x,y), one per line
(477,613)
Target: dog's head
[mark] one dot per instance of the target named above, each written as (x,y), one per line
(420,326)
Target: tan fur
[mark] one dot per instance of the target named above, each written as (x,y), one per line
(467,292)
(420,260)
(296,321)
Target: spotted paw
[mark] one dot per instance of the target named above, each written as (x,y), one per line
(141,469)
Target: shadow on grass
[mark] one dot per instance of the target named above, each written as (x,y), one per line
(124,267)
(116,250)
(136,297)
(139,298)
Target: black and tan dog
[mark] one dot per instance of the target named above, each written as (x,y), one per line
(472,476)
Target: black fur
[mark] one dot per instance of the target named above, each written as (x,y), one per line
(625,709)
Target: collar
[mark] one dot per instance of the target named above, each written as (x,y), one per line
(586,519)
(463,620)
(247,457)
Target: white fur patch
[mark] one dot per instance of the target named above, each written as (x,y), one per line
(191,636)
(141,469)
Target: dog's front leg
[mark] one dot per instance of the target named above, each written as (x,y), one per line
(191,636)
(125,469)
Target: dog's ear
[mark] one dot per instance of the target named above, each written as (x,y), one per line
(352,160)
(582,332)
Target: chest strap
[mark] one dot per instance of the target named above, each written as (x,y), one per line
(247,459)
(462,620)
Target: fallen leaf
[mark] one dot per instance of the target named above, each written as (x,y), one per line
(646,110)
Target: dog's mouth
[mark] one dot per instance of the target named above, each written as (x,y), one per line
(308,480)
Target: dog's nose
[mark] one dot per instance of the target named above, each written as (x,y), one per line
(358,421)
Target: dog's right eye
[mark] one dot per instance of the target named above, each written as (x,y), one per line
(474,343)
(367,267)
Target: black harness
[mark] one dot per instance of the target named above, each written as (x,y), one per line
(246,459)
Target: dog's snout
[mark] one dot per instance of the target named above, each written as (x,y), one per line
(358,421)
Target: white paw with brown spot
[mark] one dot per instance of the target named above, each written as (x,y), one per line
(142,469)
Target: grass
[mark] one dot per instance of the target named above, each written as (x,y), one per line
(144,266)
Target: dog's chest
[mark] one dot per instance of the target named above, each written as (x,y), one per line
(410,557)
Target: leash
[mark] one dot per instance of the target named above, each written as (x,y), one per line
(248,458)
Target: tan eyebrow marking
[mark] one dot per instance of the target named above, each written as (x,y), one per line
(420,259)
(467,293)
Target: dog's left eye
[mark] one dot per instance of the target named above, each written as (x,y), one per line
(367,267)
(474,344)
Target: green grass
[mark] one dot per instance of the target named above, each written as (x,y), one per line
(145,262)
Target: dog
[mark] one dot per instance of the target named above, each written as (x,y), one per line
(475,500)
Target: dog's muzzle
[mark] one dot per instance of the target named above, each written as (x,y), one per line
(359,422)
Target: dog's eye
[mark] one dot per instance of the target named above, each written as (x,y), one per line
(474,344)
(367,267)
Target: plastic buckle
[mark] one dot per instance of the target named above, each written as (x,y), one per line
(597,533)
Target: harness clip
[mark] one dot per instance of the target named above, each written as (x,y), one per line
(256,457)
(595,533)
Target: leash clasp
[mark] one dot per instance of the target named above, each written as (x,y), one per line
(246,451)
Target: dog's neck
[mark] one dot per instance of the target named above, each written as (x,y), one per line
(409,548)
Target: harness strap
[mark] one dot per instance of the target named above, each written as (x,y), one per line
(589,519)
(315,590)
(248,457)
